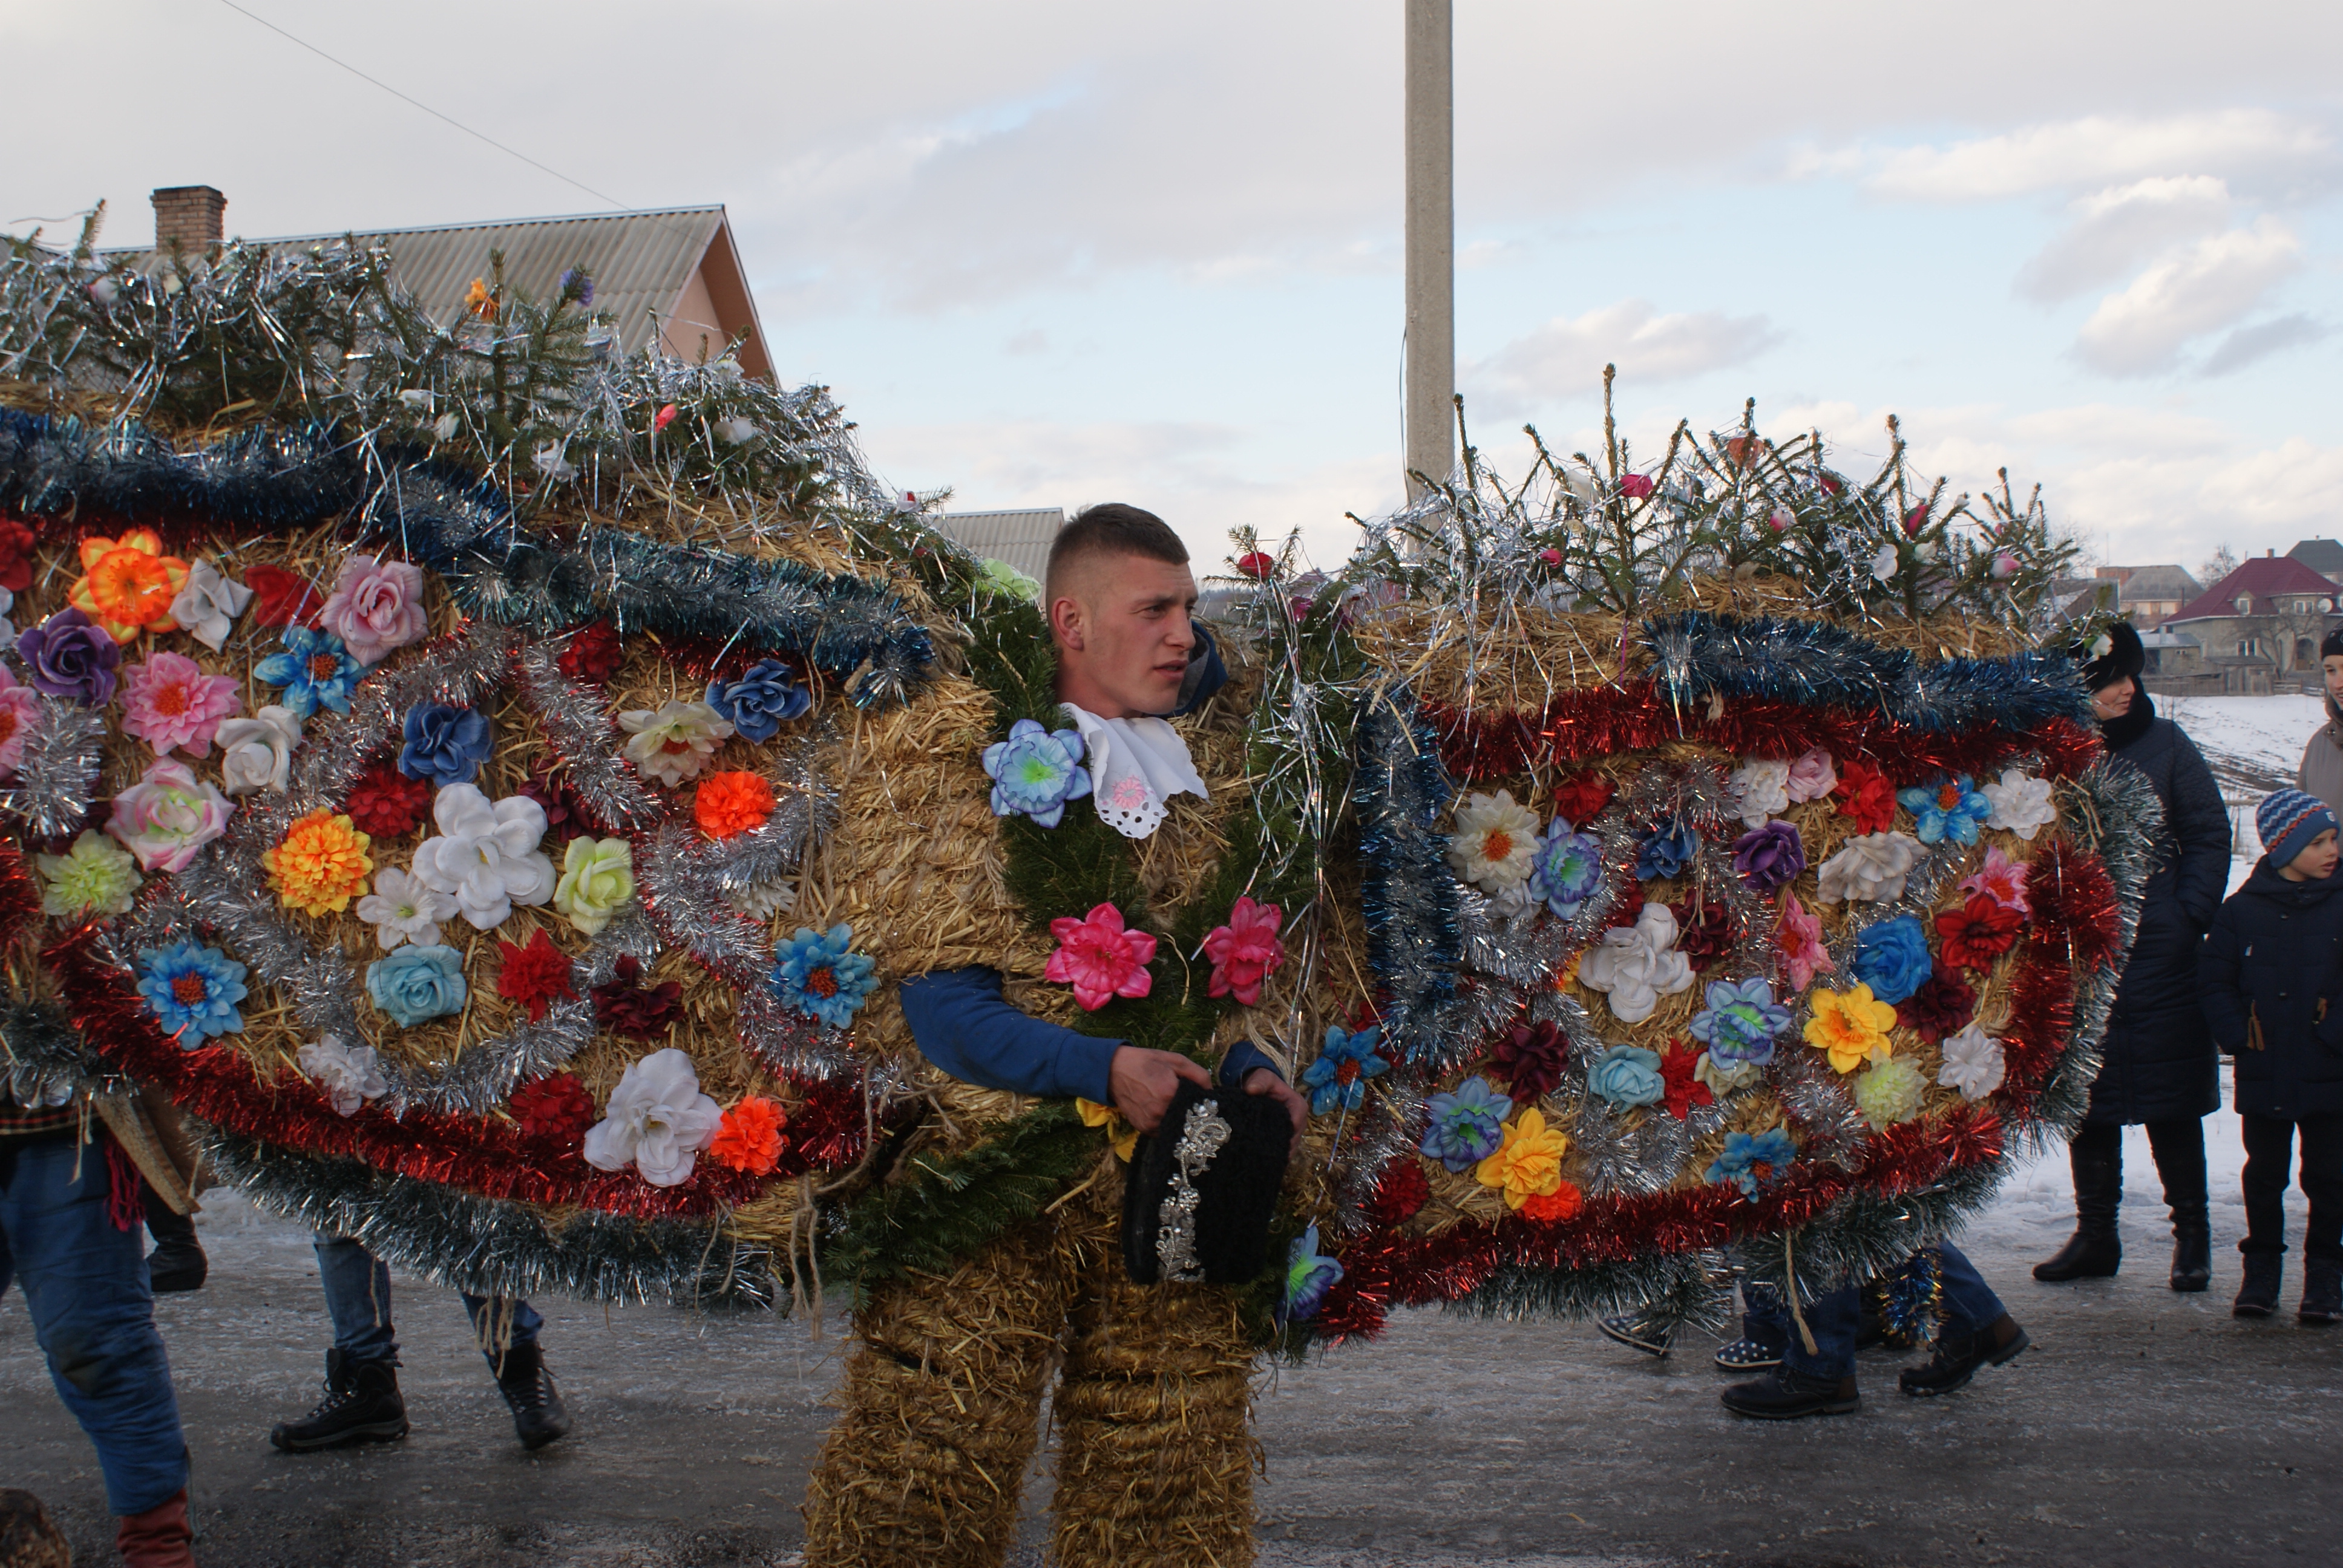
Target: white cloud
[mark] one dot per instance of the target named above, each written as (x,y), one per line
(2202,288)
(2094,149)
(2250,345)
(2117,229)
(1564,357)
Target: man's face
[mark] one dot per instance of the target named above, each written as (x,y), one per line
(1124,634)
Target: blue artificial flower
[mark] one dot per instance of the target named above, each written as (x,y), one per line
(1338,1078)
(1666,850)
(1628,1075)
(1467,1125)
(821,979)
(315,670)
(1751,1162)
(765,697)
(445,744)
(1309,1275)
(1036,772)
(576,284)
(418,984)
(1892,957)
(1566,869)
(1951,808)
(1741,1020)
(193,990)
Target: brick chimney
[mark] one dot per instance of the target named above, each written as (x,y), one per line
(190,217)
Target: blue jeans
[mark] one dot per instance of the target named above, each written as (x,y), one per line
(84,1286)
(357,1298)
(1765,1321)
(1969,1305)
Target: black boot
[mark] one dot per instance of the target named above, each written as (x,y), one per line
(538,1415)
(2322,1292)
(1786,1395)
(2093,1252)
(178,1261)
(1958,1356)
(361,1405)
(2258,1297)
(2192,1247)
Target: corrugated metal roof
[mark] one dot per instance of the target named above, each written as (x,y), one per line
(1022,538)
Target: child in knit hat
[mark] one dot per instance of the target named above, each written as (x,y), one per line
(2275,999)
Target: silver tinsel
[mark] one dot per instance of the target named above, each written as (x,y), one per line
(577,730)
(53,780)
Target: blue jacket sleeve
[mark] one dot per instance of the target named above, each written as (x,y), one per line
(1242,1059)
(966,1027)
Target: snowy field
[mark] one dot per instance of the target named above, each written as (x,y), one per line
(2255,745)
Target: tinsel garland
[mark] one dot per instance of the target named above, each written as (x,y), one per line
(53,788)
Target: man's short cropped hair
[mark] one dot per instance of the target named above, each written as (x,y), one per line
(1112,528)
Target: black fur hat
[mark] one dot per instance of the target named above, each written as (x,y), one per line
(2123,658)
(1212,1222)
(2332,644)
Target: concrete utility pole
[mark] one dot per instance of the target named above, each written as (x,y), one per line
(1430,245)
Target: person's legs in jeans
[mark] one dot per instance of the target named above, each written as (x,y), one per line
(2270,1150)
(357,1298)
(501,1324)
(1832,1319)
(1765,1321)
(1970,1305)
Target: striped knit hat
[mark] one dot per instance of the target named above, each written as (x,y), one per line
(2287,820)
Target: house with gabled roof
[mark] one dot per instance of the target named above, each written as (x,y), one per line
(2150,596)
(2324,557)
(2272,607)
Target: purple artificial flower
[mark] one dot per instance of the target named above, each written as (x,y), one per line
(577,286)
(1770,856)
(72,656)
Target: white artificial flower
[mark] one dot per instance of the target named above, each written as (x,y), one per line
(402,909)
(256,753)
(763,900)
(1883,565)
(1973,1063)
(1494,841)
(674,743)
(486,854)
(347,1075)
(446,426)
(737,431)
(657,1120)
(417,397)
(1869,870)
(2021,805)
(1763,786)
(1637,965)
(548,460)
(1725,1078)
(206,608)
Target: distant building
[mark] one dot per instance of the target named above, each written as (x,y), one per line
(2150,596)
(2324,557)
(1022,538)
(2272,607)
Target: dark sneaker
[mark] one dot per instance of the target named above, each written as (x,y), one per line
(1958,1356)
(2258,1297)
(538,1415)
(361,1405)
(1748,1355)
(178,1261)
(1788,1394)
(1633,1332)
(2322,1292)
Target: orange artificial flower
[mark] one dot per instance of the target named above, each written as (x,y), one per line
(127,584)
(731,803)
(1563,1203)
(320,864)
(478,301)
(749,1138)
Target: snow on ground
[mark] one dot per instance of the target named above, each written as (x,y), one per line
(2255,745)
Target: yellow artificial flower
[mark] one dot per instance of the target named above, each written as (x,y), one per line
(478,301)
(320,864)
(1850,1025)
(1528,1164)
(1122,1134)
(127,584)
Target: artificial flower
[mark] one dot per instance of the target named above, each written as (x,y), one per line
(1637,486)
(444,744)
(1979,932)
(1799,940)
(1552,1208)
(673,742)
(1637,966)
(1244,951)
(1492,841)
(1941,1007)
(385,802)
(478,300)
(729,804)
(1565,870)
(346,1075)
(1892,957)
(95,876)
(402,909)
(1872,869)
(1750,1161)
(1973,1063)
(193,990)
(556,1108)
(1704,932)
(2020,804)
(2000,878)
(20,709)
(256,753)
(535,974)
(15,555)
(1884,563)
(1035,772)
(314,669)
(1762,785)
(1465,1125)
(565,815)
(1741,1020)
(624,1006)
(592,653)
(749,1136)
(1528,1163)
(283,597)
(1401,1194)
(127,584)
(1683,1090)
(1811,776)
(1666,850)
(415,984)
(597,876)
(1849,1025)
(1309,1275)
(167,816)
(375,608)
(170,703)
(1866,795)
(656,1121)
(70,656)
(1098,958)
(1627,1075)
(319,865)
(1337,1079)
(1724,1078)
(1888,1091)
(766,697)
(1121,1135)
(1580,798)
(1948,808)
(1770,856)
(822,977)
(485,854)
(1531,1058)
(206,608)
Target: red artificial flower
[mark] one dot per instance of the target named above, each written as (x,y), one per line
(1403,1190)
(1550,556)
(384,803)
(1866,795)
(1530,1058)
(663,418)
(15,555)
(593,653)
(1099,957)
(1635,486)
(1245,951)
(280,598)
(1979,932)
(565,815)
(1915,519)
(623,1006)
(749,1138)
(1552,1208)
(534,974)
(1940,1008)
(1683,1091)
(1580,798)
(558,1108)
(1831,486)
(1627,908)
(1704,932)
(1259,565)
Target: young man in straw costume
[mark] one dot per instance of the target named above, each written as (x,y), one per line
(941,1395)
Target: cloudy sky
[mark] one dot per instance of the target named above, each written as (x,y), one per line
(1053,253)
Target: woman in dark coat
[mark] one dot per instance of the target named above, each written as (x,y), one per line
(2160,1067)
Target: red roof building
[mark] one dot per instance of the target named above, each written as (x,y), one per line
(2272,607)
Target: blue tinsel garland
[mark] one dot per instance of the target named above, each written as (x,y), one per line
(1414,940)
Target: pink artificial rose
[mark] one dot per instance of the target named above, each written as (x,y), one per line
(1811,777)
(1635,486)
(170,703)
(2004,566)
(1244,950)
(1099,958)
(1800,939)
(2000,878)
(20,709)
(167,816)
(375,607)
(1915,519)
